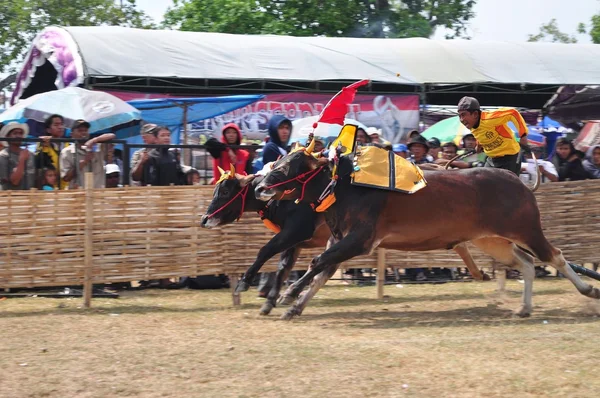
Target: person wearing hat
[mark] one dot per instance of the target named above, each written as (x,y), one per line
(493,135)
(140,157)
(435,147)
(113,173)
(47,153)
(76,159)
(418,147)
(17,166)
(400,150)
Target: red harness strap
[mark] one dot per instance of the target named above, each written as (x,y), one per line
(242,193)
(309,174)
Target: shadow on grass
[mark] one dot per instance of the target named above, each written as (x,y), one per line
(489,315)
(399,299)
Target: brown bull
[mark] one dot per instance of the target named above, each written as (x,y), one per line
(499,214)
(299,228)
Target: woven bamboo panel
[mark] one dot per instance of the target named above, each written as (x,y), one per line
(142,233)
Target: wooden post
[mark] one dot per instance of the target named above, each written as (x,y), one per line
(89,239)
(185,152)
(380,272)
(233,281)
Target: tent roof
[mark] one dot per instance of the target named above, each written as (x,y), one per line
(117,51)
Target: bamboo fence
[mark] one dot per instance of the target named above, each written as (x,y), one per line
(142,233)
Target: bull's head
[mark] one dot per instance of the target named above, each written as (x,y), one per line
(283,177)
(223,209)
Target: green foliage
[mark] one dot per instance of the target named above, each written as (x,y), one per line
(595,29)
(21,20)
(551,32)
(343,18)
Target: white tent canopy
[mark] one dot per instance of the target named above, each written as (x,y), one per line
(117,51)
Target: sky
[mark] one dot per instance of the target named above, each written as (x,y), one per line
(506,20)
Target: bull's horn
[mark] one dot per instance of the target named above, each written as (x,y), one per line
(311,147)
(221,171)
(231,171)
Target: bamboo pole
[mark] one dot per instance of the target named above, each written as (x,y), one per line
(380,272)
(89,239)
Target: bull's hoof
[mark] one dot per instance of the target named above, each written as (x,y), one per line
(266,308)
(486,277)
(593,293)
(285,300)
(290,314)
(523,312)
(242,286)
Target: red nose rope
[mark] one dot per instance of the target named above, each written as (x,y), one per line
(242,193)
(309,174)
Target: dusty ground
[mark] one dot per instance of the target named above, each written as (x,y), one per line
(452,340)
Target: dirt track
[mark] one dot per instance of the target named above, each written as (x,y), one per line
(457,340)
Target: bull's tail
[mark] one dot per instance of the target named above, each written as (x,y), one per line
(538,178)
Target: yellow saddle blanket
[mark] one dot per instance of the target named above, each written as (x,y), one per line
(379,168)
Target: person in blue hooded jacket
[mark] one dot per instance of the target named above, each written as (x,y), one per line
(280,130)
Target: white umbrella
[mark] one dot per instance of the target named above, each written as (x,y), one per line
(301,128)
(100,109)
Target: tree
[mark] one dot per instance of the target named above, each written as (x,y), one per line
(552,32)
(344,18)
(595,29)
(21,20)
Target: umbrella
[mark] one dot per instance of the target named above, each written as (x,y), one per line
(447,130)
(100,109)
(301,128)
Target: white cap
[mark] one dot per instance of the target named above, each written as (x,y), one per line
(112,168)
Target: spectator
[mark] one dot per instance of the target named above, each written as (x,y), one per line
(449,152)
(48,179)
(400,150)
(591,164)
(192,176)
(140,157)
(412,134)
(112,158)
(48,153)
(162,167)
(113,175)
(76,159)
(17,165)
(280,130)
(567,161)
(435,147)
(224,155)
(418,148)
(319,144)
(362,138)
(469,143)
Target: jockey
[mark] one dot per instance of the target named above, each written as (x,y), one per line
(493,134)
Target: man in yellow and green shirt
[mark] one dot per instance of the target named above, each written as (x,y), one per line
(493,135)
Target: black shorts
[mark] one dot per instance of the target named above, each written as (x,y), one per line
(508,162)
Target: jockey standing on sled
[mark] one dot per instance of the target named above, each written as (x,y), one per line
(493,135)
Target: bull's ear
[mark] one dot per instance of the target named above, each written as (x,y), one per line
(245,180)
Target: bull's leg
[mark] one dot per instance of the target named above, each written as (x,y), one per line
(289,297)
(463,251)
(286,263)
(537,244)
(558,261)
(286,239)
(316,284)
(509,254)
(354,244)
